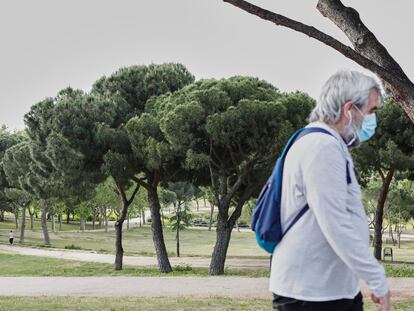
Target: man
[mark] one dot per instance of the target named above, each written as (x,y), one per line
(319,263)
(11,237)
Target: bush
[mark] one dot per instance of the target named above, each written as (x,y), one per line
(399,270)
(200,222)
(183,268)
(72,246)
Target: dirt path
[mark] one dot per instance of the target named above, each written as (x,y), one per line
(196,262)
(402,288)
(200,287)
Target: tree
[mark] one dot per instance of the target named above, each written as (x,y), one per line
(400,207)
(182,192)
(209,196)
(16,165)
(7,140)
(198,194)
(54,172)
(105,198)
(391,150)
(228,130)
(92,127)
(367,50)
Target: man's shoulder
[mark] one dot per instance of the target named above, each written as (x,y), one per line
(319,140)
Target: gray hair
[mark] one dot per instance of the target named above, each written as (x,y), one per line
(343,86)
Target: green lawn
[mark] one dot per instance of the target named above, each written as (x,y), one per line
(138,241)
(9,224)
(21,265)
(149,304)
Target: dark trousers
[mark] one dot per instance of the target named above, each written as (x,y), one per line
(281,303)
(11,241)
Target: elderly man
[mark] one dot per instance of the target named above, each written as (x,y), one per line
(319,263)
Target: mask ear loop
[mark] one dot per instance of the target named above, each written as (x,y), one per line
(349,124)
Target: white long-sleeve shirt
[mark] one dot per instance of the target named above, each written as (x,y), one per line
(325,254)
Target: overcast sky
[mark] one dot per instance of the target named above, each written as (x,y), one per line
(47,45)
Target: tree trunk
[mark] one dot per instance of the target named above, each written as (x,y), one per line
(157,234)
(31,221)
(106,223)
(143,216)
(398,231)
(128,223)
(368,51)
(211,216)
(16,219)
(2,216)
(100,217)
(53,223)
(67,216)
(197,205)
(205,203)
(390,231)
(82,224)
(44,224)
(23,226)
(225,226)
(178,210)
(93,220)
(379,215)
(60,221)
(119,251)
(220,248)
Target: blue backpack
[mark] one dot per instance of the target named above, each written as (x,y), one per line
(266,215)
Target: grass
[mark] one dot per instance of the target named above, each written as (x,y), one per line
(22,265)
(198,242)
(195,242)
(403,254)
(8,303)
(9,224)
(138,241)
(399,270)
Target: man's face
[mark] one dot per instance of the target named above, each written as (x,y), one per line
(354,116)
(371,107)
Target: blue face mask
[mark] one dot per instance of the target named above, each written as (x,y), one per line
(368,126)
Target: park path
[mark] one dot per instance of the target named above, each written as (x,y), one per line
(236,287)
(196,262)
(197,287)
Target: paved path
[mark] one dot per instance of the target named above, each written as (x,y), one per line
(200,287)
(196,262)
(402,288)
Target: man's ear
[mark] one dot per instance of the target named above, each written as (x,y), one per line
(347,108)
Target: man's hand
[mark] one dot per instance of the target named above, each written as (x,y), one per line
(384,302)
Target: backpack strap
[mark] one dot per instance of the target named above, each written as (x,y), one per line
(299,134)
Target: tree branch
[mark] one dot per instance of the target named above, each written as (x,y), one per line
(249,166)
(364,41)
(238,210)
(141,182)
(312,32)
(233,159)
(133,194)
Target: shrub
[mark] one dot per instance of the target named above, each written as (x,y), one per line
(72,246)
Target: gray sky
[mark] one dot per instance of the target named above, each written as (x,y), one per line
(47,45)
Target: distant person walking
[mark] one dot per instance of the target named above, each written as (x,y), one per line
(319,263)
(11,237)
